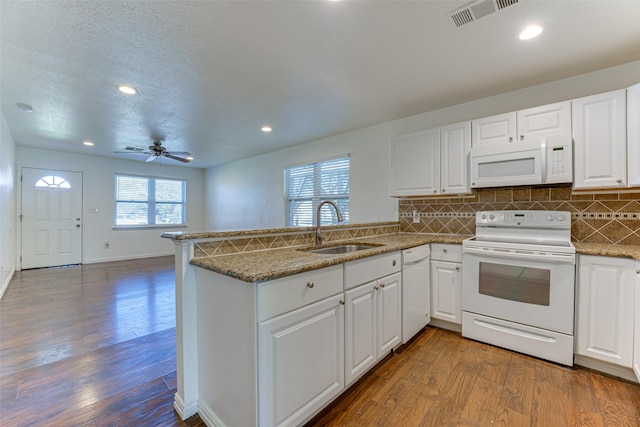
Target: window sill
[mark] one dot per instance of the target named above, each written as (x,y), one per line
(145,227)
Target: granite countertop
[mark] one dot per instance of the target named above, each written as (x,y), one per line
(271,264)
(623,251)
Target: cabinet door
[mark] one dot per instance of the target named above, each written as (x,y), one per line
(389,314)
(546,120)
(633,134)
(455,144)
(599,135)
(500,129)
(446,283)
(415,164)
(360,330)
(636,341)
(605,309)
(301,362)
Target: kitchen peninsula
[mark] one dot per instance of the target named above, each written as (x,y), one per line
(217,279)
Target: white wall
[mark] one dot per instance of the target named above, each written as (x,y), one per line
(7,206)
(248,194)
(98,192)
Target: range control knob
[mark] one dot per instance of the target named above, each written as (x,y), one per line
(492,217)
(560,217)
(483,216)
(550,217)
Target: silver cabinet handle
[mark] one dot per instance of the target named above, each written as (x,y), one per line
(77,225)
(375,288)
(457,268)
(619,180)
(510,139)
(382,285)
(444,250)
(521,137)
(341,302)
(393,263)
(310,285)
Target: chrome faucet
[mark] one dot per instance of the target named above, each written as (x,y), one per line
(319,236)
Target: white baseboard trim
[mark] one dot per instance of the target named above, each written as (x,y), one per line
(184,410)
(607,368)
(127,257)
(5,285)
(443,324)
(209,417)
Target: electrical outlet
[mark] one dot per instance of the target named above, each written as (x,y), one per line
(416,216)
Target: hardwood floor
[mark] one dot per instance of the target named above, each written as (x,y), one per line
(90,345)
(94,345)
(442,379)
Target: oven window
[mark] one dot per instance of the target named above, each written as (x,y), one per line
(515,283)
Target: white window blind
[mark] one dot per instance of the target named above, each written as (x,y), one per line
(149,201)
(307,185)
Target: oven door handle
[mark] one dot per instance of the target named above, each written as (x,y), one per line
(522,254)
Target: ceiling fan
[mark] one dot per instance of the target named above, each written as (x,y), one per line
(157,150)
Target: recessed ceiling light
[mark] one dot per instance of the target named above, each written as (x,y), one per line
(266,129)
(530,32)
(88,143)
(129,90)
(24,107)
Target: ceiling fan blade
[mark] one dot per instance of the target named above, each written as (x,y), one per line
(151,158)
(180,159)
(133,152)
(179,153)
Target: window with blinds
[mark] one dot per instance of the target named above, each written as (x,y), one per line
(142,201)
(306,186)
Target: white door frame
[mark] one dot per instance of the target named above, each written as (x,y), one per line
(18,225)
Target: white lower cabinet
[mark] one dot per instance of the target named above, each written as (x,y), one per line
(372,324)
(446,282)
(301,366)
(605,309)
(636,340)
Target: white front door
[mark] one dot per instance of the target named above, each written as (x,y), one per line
(51,218)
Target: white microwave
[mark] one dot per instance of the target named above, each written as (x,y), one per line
(544,161)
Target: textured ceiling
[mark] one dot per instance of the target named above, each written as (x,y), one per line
(212,73)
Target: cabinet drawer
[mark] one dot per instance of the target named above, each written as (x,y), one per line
(280,296)
(446,252)
(372,268)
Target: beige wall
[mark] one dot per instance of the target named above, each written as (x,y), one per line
(248,194)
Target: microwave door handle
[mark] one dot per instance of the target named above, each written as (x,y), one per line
(543,160)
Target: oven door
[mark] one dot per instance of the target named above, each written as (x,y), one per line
(526,290)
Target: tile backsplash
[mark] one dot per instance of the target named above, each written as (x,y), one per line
(606,216)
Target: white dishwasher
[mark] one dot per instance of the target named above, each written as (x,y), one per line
(416,303)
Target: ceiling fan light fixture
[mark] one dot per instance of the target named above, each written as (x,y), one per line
(530,32)
(128,90)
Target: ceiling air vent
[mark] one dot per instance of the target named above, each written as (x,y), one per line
(478,9)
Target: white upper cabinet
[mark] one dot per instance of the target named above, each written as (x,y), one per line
(633,134)
(524,125)
(433,161)
(500,129)
(599,138)
(415,164)
(543,121)
(455,144)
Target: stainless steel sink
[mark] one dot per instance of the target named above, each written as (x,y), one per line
(343,249)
